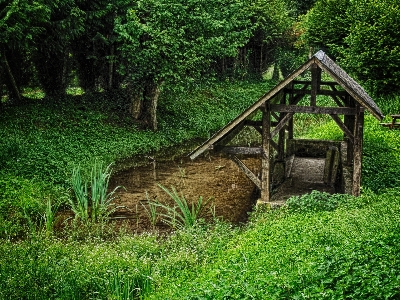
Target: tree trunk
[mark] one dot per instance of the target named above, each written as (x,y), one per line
(15,89)
(111,68)
(152,93)
(143,103)
(136,103)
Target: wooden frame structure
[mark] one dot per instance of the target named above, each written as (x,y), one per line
(280,104)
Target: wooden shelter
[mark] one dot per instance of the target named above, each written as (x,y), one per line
(278,107)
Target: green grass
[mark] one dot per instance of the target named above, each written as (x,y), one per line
(350,252)
(320,247)
(43,141)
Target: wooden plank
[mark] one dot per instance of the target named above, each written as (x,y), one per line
(265,160)
(314,109)
(357,159)
(315,81)
(290,123)
(281,138)
(252,123)
(346,131)
(281,124)
(247,171)
(330,83)
(239,150)
(274,145)
(320,92)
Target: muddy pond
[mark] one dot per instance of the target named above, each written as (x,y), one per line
(213,177)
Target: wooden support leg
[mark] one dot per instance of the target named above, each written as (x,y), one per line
(265,161)
(357,150)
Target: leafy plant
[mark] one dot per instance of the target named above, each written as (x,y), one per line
(316,201)
(182,215)
(98,202)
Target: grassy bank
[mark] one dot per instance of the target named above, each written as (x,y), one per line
(337,247)
(41,142)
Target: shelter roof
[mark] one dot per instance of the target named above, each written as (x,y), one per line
(326,64)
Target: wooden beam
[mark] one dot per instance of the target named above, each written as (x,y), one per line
(239,150)
(281,124)
(281,138)
(275,115)
(250,110)
(274,145)
(320,92)
(290,123)
(313,109)
(247,171)
(357,157)
(345,130)
(315,83)
(265,160)
(349,122)
(350,89)
(258,129)
(258,123)
(252,123)
(339,100)
(330,83)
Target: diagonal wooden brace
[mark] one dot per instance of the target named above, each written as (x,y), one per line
(247,171)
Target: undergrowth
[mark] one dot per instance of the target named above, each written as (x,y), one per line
(319,247)
(350,252)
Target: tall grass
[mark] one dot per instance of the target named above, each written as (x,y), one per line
(79,204)
(101,199)
(151,211)
(182,214)
(92,201)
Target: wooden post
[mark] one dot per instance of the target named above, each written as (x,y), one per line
(281,138)
(357,150)
(290,123)
(265,160)
(349,122)
(315,83)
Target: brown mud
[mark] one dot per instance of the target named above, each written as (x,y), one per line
(213,177)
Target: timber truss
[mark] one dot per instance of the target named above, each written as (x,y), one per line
(278,107)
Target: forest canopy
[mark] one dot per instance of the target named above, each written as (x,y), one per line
(144,47)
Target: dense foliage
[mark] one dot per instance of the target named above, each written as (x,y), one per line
(131,58)
(351,252)
(363,35)
(140,46)
(321,246)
